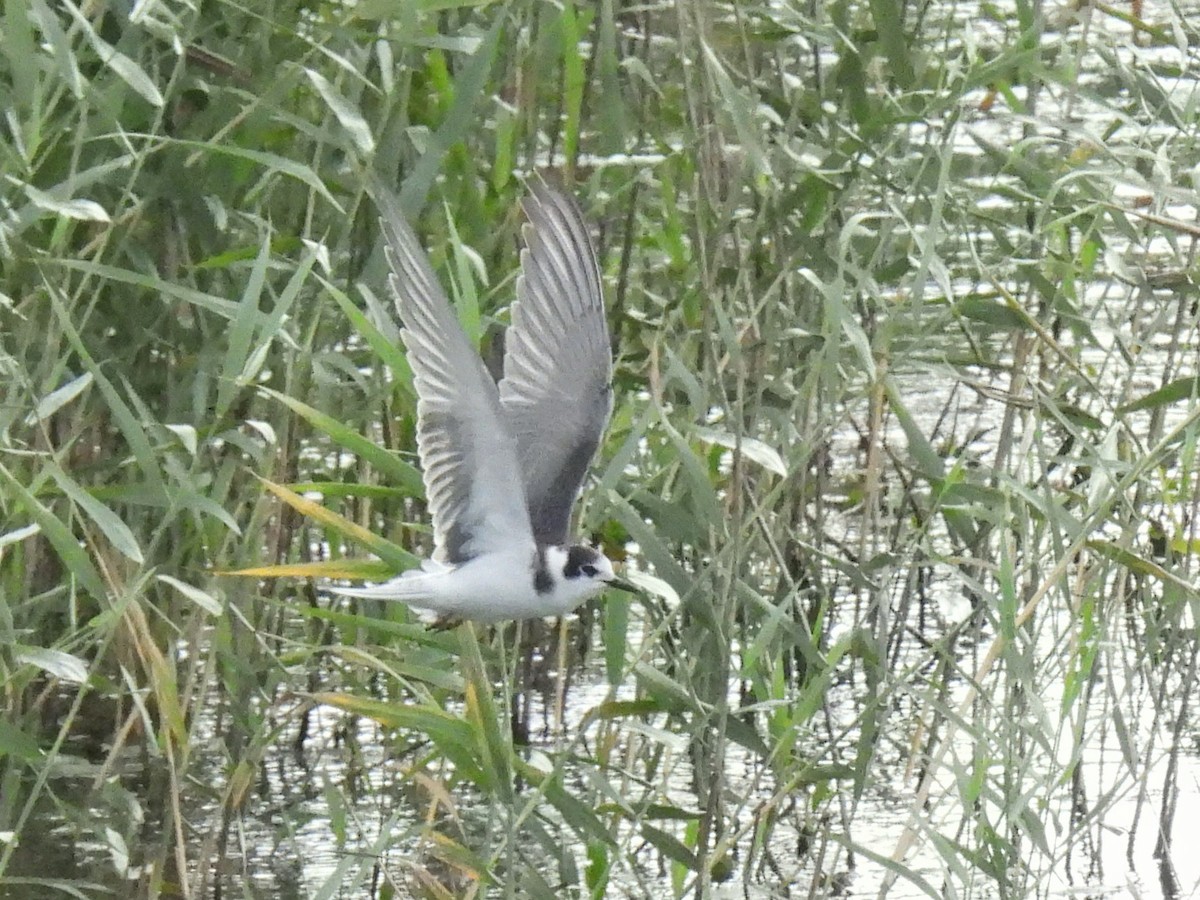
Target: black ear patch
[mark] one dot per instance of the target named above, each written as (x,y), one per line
(579,556)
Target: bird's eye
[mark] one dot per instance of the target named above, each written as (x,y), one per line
(590,571)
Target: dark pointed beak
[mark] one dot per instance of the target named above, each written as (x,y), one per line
(622,585)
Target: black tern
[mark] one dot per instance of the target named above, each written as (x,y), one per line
(503,464)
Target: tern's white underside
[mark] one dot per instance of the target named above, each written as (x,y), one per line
(491,588)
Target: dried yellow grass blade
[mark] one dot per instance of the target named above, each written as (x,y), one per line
(394,555)
(367,570)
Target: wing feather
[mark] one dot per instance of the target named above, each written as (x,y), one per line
(557,385)
(473,482)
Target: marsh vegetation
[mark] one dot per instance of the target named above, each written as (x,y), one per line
(904,306)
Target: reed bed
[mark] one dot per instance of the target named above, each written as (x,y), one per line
(904,307)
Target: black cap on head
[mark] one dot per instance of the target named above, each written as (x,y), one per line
(579,556)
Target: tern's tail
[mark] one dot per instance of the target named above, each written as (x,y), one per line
(412,588)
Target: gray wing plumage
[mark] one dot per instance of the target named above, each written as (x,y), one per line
(557,385)
(473,482)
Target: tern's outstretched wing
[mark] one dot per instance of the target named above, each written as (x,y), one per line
(472,479)
(557,385)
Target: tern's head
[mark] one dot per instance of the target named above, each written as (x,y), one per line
(577,573)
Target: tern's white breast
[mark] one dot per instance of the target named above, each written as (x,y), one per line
(493,587)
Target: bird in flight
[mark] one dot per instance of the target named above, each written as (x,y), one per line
(504,463)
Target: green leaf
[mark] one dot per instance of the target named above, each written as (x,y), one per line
(59,45)
(18,534)
(436,723)
(385,462)
(751,448)
(131,429)
(21,52)
(670,693)
(699,482)
(455,855)
(270,161)
(670,847)
(381,344)
(205,601)
(429,668)
(453,736)
(281,245)
(469,90)
(74,208)
(991,312)
(659,811)
(889,24)
(109,523)
(653,549)
(241,332)
(187,436)
(620,709)
(1177,391)
(393,554)
(57,399)
(157,287)
(648,584)
(579,816)
(742,108)
(66,545)
(124,67)
(573,80)
(742,731)
(54,662)
(407,634)
(351,489)
(17,743)
(345,112)
(616,627)
(493,741)
(923,454)
(1139,564)
(466,299)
